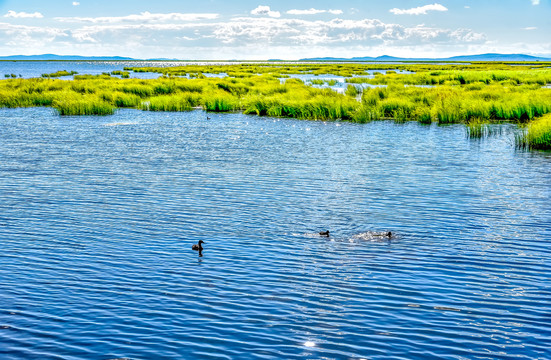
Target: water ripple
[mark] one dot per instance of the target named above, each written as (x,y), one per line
(97,222)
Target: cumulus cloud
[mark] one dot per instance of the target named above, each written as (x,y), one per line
(158,33)
(13,14)
(421,10)
(76,3)
(294,32)
(30,37)
(313,11)
(144,17)
(265,11)
(535,2)
(174,35)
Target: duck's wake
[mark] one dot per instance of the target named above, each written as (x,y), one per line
(373,236)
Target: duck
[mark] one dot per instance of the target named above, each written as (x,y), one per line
(324,233)
(387,234)
(198,246)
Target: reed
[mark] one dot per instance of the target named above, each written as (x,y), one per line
(122,74)
(460,93)
(166,103)
(123,100)
(477,128)
(59,74)
(352,91)
(221,103)
(83,106)
(536,135)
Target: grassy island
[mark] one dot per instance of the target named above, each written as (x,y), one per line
(475,94)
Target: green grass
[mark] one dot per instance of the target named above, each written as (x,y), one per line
(474,94)
(167,103)
(477,128)
(352,91)
(59,74)
(536,135)
(83,106)
(122,74)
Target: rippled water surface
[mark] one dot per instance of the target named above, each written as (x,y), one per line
(98,215)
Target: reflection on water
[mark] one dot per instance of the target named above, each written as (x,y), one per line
(96,225)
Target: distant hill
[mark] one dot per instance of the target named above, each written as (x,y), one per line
(384,58)
(498,57)
(480,57)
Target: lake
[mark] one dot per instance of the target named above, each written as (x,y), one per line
(98,216)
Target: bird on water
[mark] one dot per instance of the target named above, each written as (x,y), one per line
(386,234)
(198,246)
(324,233)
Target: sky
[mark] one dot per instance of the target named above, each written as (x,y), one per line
(283,29)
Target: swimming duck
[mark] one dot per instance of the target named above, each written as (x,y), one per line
(324,233)
(198,246)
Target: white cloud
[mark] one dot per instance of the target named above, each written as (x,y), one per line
(535,2)
(313,11)
(270,32)
(13,14)
(209,36)
(144,17)
(421,10)
(530,28)
(155,33)
(76,3)
(265,10)
(30,37)
(337,32)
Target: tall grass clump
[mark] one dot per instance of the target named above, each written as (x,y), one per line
(537,135)
(167,103)
(122,74)
(59,74)
(83,106)
(122,100)
(221,103)
(477,128)
(352,91)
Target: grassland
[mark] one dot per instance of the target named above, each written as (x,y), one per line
(474,94)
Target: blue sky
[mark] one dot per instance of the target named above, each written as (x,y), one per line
(215,29)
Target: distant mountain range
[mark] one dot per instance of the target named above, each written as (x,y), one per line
(384,58)
(480,57)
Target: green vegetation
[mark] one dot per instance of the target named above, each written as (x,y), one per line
(537,135)
(59,74)
(474,94)
(331,82)
(352,90)
(122,74)
(456,104)
(477,128)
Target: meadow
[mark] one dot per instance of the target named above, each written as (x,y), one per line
(475,94)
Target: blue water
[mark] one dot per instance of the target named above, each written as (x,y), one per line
(98,215)
(33,69)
